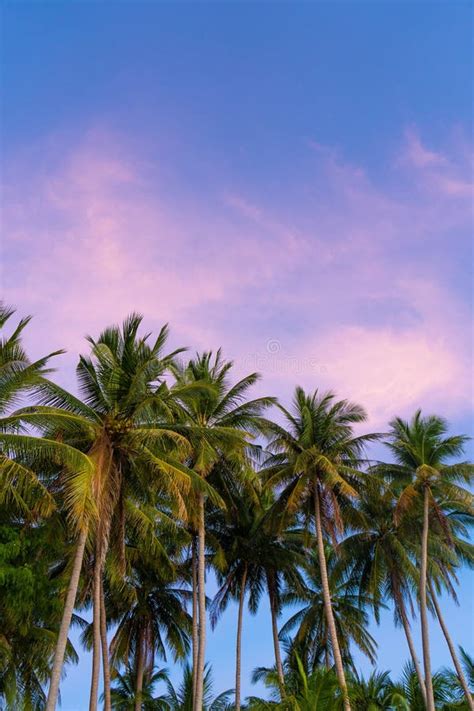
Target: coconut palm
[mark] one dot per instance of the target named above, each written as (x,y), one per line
(318,690)
(381,557)
(377,693)
(457,688)
(257,556)
(181,698)
(22,456)
(423,453)
(217,421)
(123,691)
(409,688)
(317,458)
(443,561)
(148,611)
(312,639)
(121,426)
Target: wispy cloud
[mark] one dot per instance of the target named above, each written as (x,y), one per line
(354,279)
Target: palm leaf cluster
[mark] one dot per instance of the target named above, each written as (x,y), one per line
(118,501)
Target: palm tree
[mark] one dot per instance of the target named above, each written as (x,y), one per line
(409,688)
(148,610)
(377,693)
(422,450)
(182,697)
(121,426)
(434,589)
(217,422)
(457,688)
(379,555)
(21,456)
(256,556)
(318,690)
(312,640)
(318,458)
(123,691)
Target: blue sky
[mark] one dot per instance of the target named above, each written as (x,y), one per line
(292,181)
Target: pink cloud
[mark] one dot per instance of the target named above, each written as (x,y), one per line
(349,277)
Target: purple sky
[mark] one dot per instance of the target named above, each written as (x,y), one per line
(292,182)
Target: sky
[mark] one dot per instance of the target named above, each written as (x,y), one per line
(291,181)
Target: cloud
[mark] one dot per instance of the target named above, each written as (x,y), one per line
(356,279)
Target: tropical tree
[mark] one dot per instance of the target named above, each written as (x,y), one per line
(148,611)
(123,691)
(457,688)
(409,688)
(423,453)
(120,426)
(257,557)
(217,421)
(21,456)
(318,690)
(317,458)
(312,640)
(181,698)
(377,693)
(449,548)
(379,556)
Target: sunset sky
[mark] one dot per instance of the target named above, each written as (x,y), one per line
(291,181)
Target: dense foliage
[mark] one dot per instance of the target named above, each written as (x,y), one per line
(114,502)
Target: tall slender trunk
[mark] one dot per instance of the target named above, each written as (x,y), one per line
(276,641)
(430,705)
(411,645)
(238,645)
(202,605)
(452,649)
(105,649)
(65,623)
(327,600)
(195,615)
(140,671)
(96,642)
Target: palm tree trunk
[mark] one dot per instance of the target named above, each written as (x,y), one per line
(195,615)
(96,643)
(105,649)
(140,671)
(202,605)
(276,642)
(238,649)
(452,649)
(327,600)
(65,623)
(411,645)
(430,705)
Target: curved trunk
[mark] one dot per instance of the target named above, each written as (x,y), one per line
(276,642)
(452,649)
(96,643)
(430,705)
(66,623)
(327,601)
(202,606)
(140,671)
(238,649)
(105,649)
(400,605)
(195,615)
